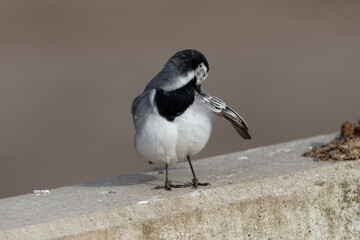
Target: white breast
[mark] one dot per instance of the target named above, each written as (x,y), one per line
(159,140)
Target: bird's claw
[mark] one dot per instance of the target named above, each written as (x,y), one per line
(194,184)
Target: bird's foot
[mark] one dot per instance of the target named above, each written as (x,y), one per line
(195,183)
(168,186)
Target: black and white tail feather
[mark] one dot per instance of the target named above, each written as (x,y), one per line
(220,108)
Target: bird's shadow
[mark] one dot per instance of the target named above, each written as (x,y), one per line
(122,180)
(144,177)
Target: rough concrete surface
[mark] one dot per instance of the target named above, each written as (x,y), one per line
(265,193)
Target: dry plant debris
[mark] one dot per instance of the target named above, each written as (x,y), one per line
(346,147)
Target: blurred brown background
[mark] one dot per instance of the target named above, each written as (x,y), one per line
(69,71)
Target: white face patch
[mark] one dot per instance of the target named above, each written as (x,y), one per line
(181,81)
(201,73)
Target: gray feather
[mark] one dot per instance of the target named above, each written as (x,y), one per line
(220,108)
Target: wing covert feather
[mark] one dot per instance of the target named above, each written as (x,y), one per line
(220,108)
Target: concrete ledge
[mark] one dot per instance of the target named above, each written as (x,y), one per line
(265,193)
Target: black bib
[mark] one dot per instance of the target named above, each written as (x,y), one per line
(173,103)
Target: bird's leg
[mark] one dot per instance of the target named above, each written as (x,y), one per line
(195,181)
(168,184)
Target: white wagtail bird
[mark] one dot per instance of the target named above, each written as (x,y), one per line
(173,116)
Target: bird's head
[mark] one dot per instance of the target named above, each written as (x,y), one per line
(186,66)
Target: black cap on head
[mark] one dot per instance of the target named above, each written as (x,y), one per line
(187,60)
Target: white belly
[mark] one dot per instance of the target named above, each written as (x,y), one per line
(156,140)
(162,141)
(194,129)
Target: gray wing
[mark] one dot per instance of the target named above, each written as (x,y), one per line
(220,108)
(141,108)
